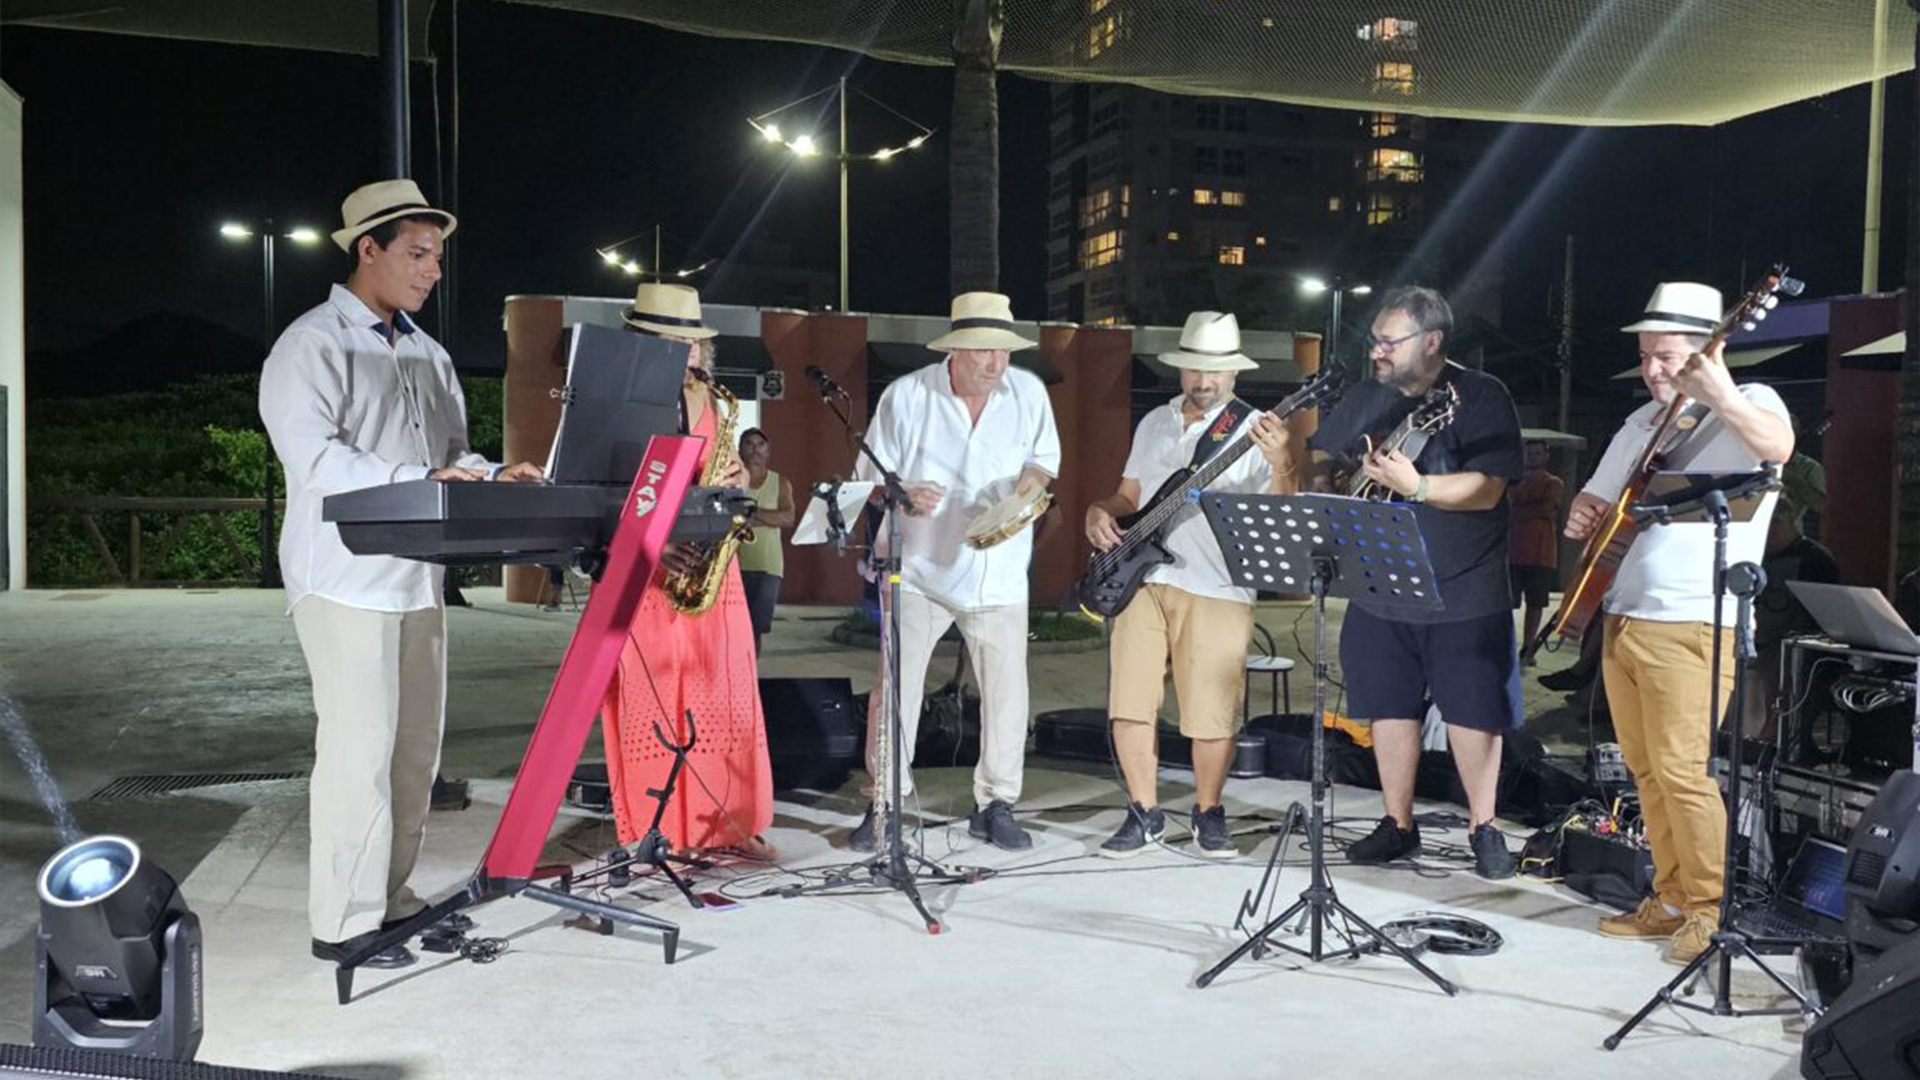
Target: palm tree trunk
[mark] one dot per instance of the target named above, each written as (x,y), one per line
(974,141)
(1907,449)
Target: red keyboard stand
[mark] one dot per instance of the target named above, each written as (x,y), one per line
(593,657)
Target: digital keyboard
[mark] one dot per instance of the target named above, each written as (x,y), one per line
(482,522)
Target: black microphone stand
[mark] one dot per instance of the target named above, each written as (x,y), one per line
(891,867)
(1744,580)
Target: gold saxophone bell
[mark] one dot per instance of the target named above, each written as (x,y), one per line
(694,592)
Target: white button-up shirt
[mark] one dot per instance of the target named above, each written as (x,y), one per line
(1162,445)
(1667,575)
(347,409)
(924,432)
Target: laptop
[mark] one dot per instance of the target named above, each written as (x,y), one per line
(1861,617)
(1811,902)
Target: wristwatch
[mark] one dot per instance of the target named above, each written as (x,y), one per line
(1420,493)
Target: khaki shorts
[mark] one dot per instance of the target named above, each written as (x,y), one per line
(1204,641)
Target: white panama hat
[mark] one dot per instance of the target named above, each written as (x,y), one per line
(1679,307)
(375,204)
(671,310)
(981,320)
(1210,341)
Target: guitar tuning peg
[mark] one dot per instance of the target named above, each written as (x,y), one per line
(1747,326)
(1760,315)
(1772,301)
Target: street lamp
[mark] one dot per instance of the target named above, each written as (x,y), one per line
(1313,286)
(805,146)
(306,237)
(612,257)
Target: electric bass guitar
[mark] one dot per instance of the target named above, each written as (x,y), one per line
(1608,545)
(1436,410)
(1113,576)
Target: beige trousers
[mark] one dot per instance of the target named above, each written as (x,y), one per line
(379,691)
(996,641)
(1659,688)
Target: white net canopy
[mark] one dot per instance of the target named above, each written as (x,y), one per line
(1589,62)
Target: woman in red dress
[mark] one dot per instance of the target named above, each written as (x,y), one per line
(674,663)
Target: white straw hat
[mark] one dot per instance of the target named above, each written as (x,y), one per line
(673,310)
(1680,307)
(380,202)
(981,320)
(1209,342)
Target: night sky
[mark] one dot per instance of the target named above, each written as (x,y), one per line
(578,130)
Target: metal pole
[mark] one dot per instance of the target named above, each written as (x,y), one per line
(657,264)
(269,563)
(843,194)
(1566,342)
(1876,153)
(396,138)
(1333,335)
(266,281)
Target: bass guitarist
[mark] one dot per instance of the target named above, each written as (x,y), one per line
(1462,658)
(1659,610)
(1187,615)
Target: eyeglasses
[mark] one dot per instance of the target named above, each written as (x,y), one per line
(1390,343)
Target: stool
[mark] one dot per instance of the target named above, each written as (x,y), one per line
(1279,682)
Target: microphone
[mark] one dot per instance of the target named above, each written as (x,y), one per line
(824,382)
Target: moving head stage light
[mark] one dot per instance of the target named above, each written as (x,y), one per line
(117,955)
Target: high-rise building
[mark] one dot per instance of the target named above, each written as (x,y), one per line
(1159,203)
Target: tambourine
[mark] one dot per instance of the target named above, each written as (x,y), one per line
(1007,517)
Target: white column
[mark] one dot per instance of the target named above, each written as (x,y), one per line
(13,338)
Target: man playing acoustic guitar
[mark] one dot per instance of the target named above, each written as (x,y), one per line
(1461,658)
(1659,610)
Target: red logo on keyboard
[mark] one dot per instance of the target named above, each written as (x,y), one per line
(647,498)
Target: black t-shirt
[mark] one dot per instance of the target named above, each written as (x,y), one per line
(1468,547)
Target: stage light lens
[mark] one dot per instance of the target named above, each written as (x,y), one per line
(89,870)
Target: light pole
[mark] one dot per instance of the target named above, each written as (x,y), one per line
(268,232)
(610,254)
(805,146)
(1314,286)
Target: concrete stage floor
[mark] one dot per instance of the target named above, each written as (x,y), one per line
(1061,965)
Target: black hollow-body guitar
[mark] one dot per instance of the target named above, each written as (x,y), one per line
(1115,575)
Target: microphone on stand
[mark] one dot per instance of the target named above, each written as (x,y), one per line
(824,382)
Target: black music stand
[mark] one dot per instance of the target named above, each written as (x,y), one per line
(1721,499)
(1328,545)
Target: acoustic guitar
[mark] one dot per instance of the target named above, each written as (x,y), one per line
(1436,410)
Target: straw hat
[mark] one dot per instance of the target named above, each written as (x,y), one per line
(981,320)
(673,310)
(1209,342)
(381,202)
(1680,307)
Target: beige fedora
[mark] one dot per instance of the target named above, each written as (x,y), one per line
(1209,342)
(981,320)
(381,202)
(1680,307)
(672,310)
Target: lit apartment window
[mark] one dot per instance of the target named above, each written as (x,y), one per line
(1205,197)
(1393,77)
(1102,34)
(1096,208)
(1173,234)
(1233,198)
(1095,7)
(1384,209)
(1259,241)
(1383,125)
(1335,204)
(1100,249)
(1126,200)
(1398,166)
(1233,255)
(1402,32)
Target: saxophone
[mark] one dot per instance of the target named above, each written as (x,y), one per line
(693,593)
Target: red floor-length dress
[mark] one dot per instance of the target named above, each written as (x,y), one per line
(672,663)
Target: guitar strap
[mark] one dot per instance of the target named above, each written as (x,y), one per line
(1220,431)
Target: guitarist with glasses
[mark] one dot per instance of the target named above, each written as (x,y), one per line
(1187,615)
(1463,659)
(1657,651)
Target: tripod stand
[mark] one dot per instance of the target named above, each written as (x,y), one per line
(1265,538)
(653,849)
(892,866)
(1744,581)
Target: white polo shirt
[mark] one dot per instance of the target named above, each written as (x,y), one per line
(346,410)
(923,431)
(1667,575)
(1162,445)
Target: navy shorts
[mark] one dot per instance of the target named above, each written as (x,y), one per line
(1468,668)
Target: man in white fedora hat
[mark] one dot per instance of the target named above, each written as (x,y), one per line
(1659,610)
(354,394)
(1188,615)
(1461,659)
(963,434)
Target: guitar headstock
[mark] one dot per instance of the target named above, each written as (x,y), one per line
(1758,301)
(1436,409)
(1326,387)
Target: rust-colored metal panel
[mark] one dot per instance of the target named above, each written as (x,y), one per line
(1859,451)
(1092,410)
(808,443)
(536,366)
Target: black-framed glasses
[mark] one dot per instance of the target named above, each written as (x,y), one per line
(1390,343)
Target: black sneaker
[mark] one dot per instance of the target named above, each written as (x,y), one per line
(1387,842)
(861,838)
(393,956)
(994,823)
(1491,859)
(1210,836)
(1143,827)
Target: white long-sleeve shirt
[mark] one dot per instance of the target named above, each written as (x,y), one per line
(923,431)
(347,409)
